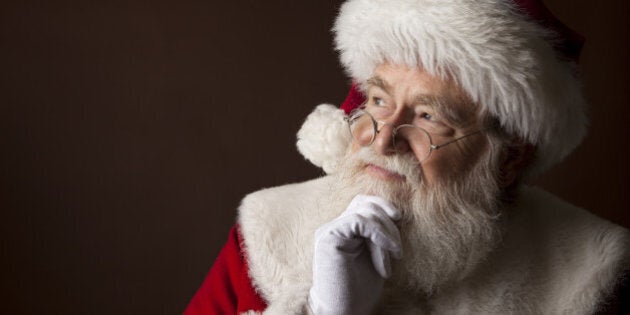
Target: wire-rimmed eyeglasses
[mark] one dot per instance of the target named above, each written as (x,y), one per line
(364,129)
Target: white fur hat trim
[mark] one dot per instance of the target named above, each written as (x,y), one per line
(504,61)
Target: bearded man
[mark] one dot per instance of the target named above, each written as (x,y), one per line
(455,103)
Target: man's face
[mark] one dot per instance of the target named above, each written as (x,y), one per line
(402,95)
(450,201)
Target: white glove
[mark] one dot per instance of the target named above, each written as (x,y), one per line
(352,257)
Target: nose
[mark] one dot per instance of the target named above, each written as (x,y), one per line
(383,142)
(387,142)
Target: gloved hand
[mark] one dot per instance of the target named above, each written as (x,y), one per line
(352,257)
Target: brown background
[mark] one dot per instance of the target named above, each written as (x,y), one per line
(130,130)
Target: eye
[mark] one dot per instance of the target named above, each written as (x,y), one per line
(377,101)
(427,116)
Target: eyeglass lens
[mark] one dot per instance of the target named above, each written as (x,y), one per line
(364,130)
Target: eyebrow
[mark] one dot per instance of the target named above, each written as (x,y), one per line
(445,106)
(455,110)
(424,99)
(379,82)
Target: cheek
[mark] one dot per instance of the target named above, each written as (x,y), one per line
(452,162)
(433,169)
(354,146)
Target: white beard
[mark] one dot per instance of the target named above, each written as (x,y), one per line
(446,229)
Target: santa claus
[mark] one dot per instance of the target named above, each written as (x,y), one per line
(455,103)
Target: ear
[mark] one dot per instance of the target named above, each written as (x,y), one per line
(516,156)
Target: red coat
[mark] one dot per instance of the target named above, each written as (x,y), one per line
(227,288)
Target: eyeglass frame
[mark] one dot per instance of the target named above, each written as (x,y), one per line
(376,131)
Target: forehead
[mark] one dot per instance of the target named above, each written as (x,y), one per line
(413,85)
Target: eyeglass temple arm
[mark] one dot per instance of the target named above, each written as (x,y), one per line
(437,146)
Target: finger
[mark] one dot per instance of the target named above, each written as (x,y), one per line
(372,212)
(385,243)
(375,207)
(358,226)
(375,231)
(377,228)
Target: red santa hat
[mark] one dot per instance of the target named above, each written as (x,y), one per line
(512,57)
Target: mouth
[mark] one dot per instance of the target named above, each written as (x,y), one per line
(384,174)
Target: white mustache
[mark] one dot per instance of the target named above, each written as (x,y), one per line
(405,165)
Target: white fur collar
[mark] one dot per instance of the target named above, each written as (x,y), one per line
(277,226)
(555,258)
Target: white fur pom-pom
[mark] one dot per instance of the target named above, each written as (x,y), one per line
(324,137)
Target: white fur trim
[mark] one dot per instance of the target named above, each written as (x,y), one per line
(278,237)
(555,258)
(324,137)
(499,57)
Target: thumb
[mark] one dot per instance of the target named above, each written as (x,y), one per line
(380,260)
